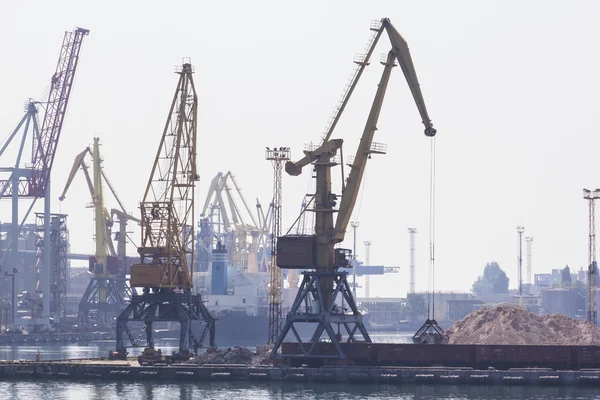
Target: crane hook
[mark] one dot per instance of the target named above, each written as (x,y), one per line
(430,131)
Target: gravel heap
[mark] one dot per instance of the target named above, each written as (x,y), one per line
(232,355)
(513,324)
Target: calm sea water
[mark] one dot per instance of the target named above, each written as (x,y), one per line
(67,390)
(94,390)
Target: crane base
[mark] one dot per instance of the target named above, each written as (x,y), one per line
(105,311)
(309,307)
(166,306)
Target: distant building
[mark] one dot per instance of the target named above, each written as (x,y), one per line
(458,309)
(530,302)
(440,303)
(560,301)
(493,299)
(383,310)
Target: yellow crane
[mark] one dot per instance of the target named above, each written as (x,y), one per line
(322,281)
(167,248)
(103,295)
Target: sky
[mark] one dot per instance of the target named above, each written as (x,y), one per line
(510,86)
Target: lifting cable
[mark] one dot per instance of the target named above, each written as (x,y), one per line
(431,306)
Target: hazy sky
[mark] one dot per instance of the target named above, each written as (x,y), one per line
(511,87)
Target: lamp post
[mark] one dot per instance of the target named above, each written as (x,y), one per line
(354,225)
(520,230)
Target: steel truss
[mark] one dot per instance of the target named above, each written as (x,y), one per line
(106,311)
(59,263)
(325,316)
(166,306)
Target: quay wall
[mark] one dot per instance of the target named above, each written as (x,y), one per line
(106,370)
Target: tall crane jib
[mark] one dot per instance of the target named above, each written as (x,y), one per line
(168,204)
(45,141)
(317,254)
(167,247)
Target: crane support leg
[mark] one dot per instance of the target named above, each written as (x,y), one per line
(90,302)
(167,306)
(310,307)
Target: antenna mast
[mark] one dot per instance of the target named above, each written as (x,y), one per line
(277,156)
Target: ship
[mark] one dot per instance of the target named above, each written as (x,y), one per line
(231,267)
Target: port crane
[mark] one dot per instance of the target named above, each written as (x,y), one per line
(167,218)
(323,281)
(221,204)
(105,294)
(33,181)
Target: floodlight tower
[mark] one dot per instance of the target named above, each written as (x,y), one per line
(277,156)
(520,230)
(412,232)
(592,306)
(529,239)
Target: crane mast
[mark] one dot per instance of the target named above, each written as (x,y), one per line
(167,246)
(317,253)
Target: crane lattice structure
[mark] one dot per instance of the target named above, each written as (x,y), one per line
(317,254)
(412,234)
(277,156)
(592,305)
(167,246)
(528,240)
(33,181)
(104,298)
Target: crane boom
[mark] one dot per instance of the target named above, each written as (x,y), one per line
(45,140)
(44,146)
(363,151)
(239,191)
(78,163)
(167,208)
(360,68)
(402,53)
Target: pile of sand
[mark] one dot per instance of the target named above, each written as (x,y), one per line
(232,355)
(512,324)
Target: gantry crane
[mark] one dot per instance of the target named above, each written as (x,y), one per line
(105,294)
(167,249)
(323,281)
(33,181)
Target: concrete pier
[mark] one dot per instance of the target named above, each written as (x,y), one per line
(130,370)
